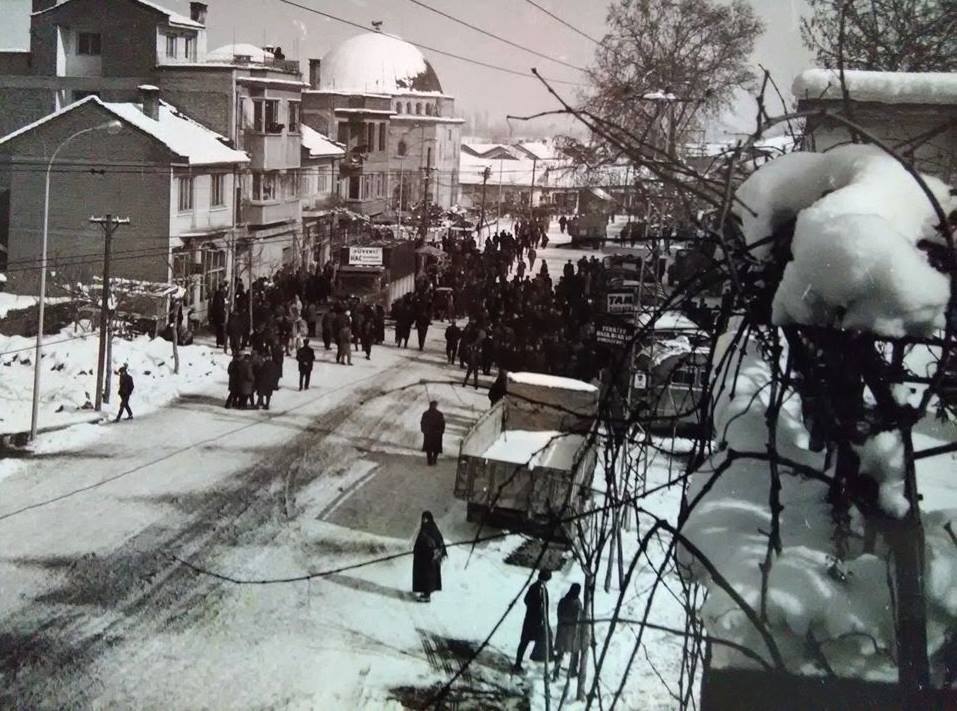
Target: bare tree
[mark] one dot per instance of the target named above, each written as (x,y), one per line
(885,35)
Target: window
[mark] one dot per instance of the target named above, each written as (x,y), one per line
(190,50)
(265,115)
(370,137)
(291,184)
(294,116)
(214,272)
(170,45)
(185,194)
(182,265)
(342,133)
(381,136)
(398,107)
(88,43)
(402,148)
(217,192)
(428,109)
(264,186)
(322,182)
(408,107)
(418,108)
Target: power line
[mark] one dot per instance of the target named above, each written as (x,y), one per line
(563,22)
(495,36)
(478,62)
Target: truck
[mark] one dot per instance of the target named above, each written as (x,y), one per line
(529,459)
(377,271)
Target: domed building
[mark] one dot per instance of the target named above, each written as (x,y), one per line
(379,96)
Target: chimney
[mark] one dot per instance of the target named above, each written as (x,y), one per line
(197,12)
(314,73)
(149,97)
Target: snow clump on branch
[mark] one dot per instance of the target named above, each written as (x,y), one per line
(856,261)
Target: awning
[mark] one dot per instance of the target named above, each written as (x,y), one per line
(601,194)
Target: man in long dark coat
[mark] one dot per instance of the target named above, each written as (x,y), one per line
(234,379)
(305,356)
(433,427)
(453,335)
(126,390)
(535,627)
(217,315)
(427,555)
(267,381)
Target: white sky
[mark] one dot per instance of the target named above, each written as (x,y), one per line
(303,34)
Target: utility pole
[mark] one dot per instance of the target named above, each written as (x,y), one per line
(486,174)
(531,192)
(424,226)
(109,225)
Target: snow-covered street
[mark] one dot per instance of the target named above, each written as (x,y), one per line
(97,611)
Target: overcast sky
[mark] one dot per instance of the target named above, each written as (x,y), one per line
(304,34)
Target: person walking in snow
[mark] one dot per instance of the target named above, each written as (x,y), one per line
(427,555)
(344,340)
(267,381)
(562,221)
(433,427)
(232,399)
(247,382)
(305,356)
(567,636)
(453,334)
(422,322)
(126,390)
(535,627)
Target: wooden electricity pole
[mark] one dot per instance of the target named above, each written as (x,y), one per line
(109,225)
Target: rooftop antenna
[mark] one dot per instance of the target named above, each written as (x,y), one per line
(377,25)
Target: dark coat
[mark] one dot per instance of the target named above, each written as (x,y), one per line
(567,634)
(267,378)
(498,389)
(535,627)
(234,374)
(433,427)
(427,560)
(306,357)
(246,377)
(126,384)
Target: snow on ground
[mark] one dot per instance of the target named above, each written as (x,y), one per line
(330,477)
(9,302)
(68,376)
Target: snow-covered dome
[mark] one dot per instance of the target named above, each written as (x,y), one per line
(377,63)
(229,53)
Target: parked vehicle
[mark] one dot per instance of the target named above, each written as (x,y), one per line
(531,457)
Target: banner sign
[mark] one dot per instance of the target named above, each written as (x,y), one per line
(365,256)
(621,302)
(614,335)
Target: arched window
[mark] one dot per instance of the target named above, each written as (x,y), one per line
(428,109)
(398,107)
(418,108)
(408,107)
(402,148)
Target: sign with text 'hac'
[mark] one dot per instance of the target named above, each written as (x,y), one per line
(365,256)
(621,302)
(614,335)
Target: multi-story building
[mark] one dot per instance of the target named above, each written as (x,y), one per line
(378,95)
(251,96)
(172,177)
(321,159)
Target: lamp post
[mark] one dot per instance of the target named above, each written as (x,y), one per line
(113,127)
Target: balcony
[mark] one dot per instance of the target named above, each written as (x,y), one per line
(267,212)
(272,151)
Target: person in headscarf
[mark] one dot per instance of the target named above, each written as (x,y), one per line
(567,636)
(427,555)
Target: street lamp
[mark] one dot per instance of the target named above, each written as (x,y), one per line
(112,127)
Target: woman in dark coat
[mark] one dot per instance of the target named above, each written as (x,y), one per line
(427,558)
(246,381)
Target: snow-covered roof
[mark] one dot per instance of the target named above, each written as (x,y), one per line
(175,130)
(174,17)
(538,149)
(879,87)
(318,145)
(377,62)
(554,382)
(229,52)
(483,149)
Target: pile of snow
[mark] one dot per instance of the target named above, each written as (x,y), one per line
(856,263)
(880,87)
(68,376)
(531,449)
(556,382)
(844,605)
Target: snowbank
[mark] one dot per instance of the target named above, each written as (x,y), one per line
(68,376)
(551,381)
(844,605)
(856,263)
(881,87)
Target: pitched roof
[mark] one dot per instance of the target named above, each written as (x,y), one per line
(178,132)
(318,145)
(174,17)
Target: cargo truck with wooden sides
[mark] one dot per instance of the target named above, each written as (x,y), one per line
(529,460)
